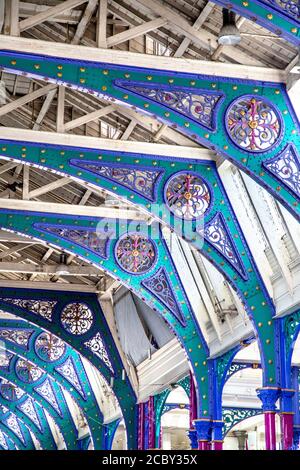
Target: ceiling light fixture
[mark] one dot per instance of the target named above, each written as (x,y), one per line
(229,34)
(62,268)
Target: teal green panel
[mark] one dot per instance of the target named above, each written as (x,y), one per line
(98,78)
(87,404)
(251,290)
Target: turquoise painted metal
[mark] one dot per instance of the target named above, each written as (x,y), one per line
(58,408)
(67,371)
(247,122)
(41,431)
(218,221)
(22,302)
(180,318)
(160,401)
(13,438)
(291,324)
(233,416)
(6,442)
(139,87)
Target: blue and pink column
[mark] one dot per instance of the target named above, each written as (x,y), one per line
(146,425)
(203,428)
(269,397)
(287,418)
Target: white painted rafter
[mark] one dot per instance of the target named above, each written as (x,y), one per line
(70,209)
(9,107)
(113,145)
(117,57)
(51,12)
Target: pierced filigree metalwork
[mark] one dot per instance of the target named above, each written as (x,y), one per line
(28,408)
(17,336)
(135,253)
(286,168)
(160,286)
(216,233)
(47,392)
(5,360)
(140,180)
(233,416)
(187,196)
(185,383)
(44,308)
(4,409)
(253,124)
(10,391)
(68,370)
(27,372)
(200,105)
(288,7)
(291,328)
(3,442)
(96,345)
(222,365)
(76,318)
(13,423)
(234,368)
(88,238)
(49,348)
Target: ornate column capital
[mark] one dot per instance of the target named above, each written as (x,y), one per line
(268,397)
(203,428)
(192,434)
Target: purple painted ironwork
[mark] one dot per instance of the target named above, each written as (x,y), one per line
(253,124)
(10,391)
(268,397)
(27,372)
(270,430)
(48,347)
(3,442)
(135,253)
(96,242)
(17,336)
(161,287)
(13,423)
(96,345)
(46,391)
(217,235)
(287,422)
(76,318)
(151,426)
(287,7)
(193,401)
(28,408)
(68,370)
(44,308)
(198,105)
(286,168)
(140,180)
(187,196)
(141,423)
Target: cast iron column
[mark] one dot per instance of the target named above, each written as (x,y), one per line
(268,397)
